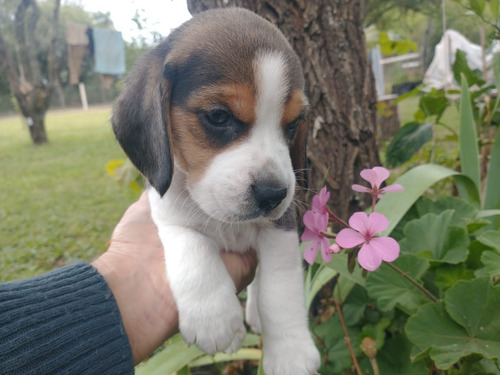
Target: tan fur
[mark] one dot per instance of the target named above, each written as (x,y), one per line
(294,107)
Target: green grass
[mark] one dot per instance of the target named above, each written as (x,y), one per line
(57,204)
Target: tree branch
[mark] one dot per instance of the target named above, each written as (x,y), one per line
(52,48)
(8,63)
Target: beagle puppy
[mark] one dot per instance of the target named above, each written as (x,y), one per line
(213,117)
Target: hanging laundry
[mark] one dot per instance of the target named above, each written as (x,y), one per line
(109,52)
(77,40)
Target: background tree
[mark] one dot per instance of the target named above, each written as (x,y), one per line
(31,86)
(329,39)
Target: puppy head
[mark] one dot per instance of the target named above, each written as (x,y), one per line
(221,99)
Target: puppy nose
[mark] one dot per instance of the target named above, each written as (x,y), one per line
(268,197)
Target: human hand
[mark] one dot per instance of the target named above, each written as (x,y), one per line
(134,268)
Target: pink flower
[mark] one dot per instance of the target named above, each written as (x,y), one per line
(375,177)
(316,223)
(374,250)
(319,201)
(334,248)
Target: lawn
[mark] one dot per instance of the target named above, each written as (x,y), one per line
(57,203)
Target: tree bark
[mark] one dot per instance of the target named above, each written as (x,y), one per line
(329,38)
(31,88)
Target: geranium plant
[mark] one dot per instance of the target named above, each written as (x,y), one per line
(426,296)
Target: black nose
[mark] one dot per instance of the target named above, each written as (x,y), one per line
(268,197)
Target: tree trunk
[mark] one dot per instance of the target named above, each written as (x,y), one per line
(328,36)
(31,88)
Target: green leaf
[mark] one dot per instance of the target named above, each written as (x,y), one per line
(332,335)
(478,313)
(492,190)
(461,68)
(467,322)
(415,182)
(496,64)
(463,214)
(469,151)
(320,278)
(491,261)
(434,104)
(242,354)
(124,172)
(448,275)
(406,95)
(376,331)
(441,243)
(408,140)
(390,289)
(173,358)
(339,264)
(477,6)
(395,44)
(490,238)
(394,358)
(494,9)
(355,305)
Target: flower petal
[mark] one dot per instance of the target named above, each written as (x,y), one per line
(392,188)
(370,176)
(316,222)
(359,222)
(361,189)
(375,223)
(308,235)
(369,258)
(349,238)
(308,219)
(386,247)
(311,251)
(381,174)
(324,195)
(325,254)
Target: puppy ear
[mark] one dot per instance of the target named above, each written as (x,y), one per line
(141,121)
(298,155)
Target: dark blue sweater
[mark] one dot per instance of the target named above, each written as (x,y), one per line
(64,322)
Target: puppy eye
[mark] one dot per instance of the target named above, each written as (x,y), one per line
(291,128)
(218,117)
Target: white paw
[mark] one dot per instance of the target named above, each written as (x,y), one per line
(288,355)
(214,323)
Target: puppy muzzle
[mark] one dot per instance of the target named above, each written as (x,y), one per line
(268,197)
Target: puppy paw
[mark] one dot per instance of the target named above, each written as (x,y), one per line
(295,355)
(214,324)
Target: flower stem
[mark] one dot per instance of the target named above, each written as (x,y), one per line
(374,200)
(428,294)
(336,218)
(347,339)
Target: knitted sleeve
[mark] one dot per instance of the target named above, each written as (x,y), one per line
(64,322)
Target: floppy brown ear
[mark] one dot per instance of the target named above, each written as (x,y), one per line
(141,121)
(298,155)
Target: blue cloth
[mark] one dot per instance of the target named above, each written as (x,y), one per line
(109,52)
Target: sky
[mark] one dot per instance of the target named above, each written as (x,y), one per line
(161,15)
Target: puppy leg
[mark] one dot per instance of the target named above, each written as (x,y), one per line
(288,346)
(210,314)
(252,313)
